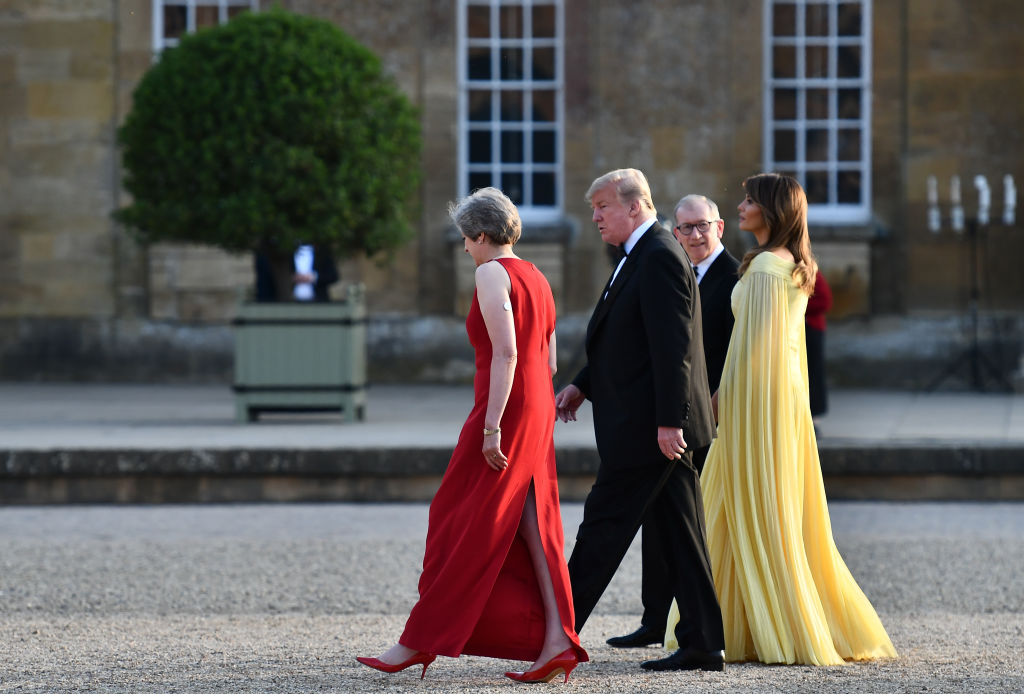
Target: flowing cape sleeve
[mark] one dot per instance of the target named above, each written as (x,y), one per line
(786,594)
(760,390)
(762,500)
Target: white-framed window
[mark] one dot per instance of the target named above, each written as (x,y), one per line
(817,124)
(172,19)
(510,76)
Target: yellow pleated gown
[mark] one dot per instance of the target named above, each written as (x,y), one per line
(786,594)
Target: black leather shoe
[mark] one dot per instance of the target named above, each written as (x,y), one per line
(644,636)
(688,659)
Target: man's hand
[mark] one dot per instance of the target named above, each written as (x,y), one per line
(567,402)
(671,442)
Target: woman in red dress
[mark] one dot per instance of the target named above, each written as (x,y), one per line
(495,581)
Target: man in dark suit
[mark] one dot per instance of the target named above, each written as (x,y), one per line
(698,228)
(313,272)
(646,380)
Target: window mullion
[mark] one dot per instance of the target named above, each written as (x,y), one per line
(496,85)
(525,88)
(801,76)
(833,129)
(528,77)
(819,103)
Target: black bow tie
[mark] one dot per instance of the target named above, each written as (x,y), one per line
(614,254)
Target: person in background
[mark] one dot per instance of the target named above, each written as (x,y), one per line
(315,271)
(699,230)
(818,305)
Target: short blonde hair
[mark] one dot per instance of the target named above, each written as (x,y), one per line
(490,212)
(630,185)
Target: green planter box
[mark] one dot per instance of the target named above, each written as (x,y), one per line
(297,357)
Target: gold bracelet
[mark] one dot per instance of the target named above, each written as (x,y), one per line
(491,432)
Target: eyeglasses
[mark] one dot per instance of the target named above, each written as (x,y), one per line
(703,227)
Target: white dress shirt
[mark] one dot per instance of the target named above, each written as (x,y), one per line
(628,246)
(702,266)
(304,265)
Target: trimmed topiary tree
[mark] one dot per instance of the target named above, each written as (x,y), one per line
(272,130)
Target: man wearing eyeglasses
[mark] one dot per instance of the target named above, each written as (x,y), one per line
(699,229)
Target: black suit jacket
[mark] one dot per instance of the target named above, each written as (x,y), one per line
(645,356)
(323,265)
(716,311)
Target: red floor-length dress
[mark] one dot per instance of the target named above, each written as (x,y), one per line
(478,591)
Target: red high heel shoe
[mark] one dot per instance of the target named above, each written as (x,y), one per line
(562,664)
(423,659)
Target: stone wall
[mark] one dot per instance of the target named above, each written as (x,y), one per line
(888,353)
(963,96)
(57,172)
(640,95)
(672,89)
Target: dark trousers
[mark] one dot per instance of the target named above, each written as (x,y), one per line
(816,373)
(655,586)
(619,502)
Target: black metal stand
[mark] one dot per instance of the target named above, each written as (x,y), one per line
(982,370)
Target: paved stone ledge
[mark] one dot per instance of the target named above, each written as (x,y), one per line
(921,458)
(905,471)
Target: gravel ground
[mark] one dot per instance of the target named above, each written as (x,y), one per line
(265,598)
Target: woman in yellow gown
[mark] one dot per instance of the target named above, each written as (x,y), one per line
(785,592)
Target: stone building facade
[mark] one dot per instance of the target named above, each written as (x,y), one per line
(694,93)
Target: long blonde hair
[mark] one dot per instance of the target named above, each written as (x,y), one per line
(783,205)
